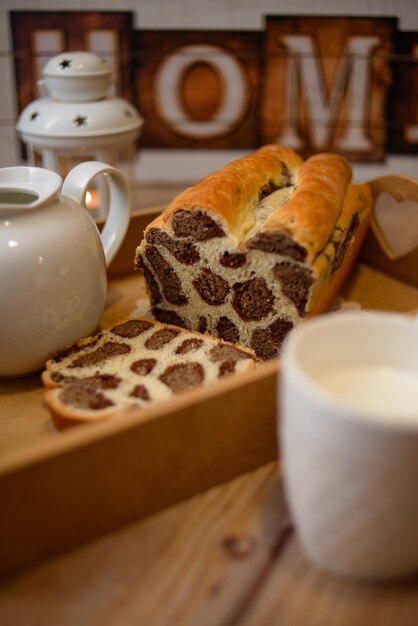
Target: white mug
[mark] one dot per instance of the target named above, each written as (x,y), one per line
(348,433)
(53,260)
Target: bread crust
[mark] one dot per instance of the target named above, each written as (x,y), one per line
(231,193)
(357,204)
(311,213)
(64,417)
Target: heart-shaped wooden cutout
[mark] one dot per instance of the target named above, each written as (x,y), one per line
(395,216)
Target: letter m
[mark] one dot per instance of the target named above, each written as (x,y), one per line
(334,108)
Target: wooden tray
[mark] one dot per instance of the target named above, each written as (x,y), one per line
(60,489)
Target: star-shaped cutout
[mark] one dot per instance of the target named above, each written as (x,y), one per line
(34,116)
(65,63)
(80,120)
(128,113)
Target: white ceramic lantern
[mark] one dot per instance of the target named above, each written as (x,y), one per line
(77,119)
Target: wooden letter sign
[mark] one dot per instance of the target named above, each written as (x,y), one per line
(403,102)
(337,84)
(197,88)
(326,84)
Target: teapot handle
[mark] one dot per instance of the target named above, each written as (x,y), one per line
(75,187)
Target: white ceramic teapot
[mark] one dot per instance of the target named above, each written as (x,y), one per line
(53,260)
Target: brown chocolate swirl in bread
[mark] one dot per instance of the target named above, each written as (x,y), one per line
(274,238)
(197,225)
(134,364)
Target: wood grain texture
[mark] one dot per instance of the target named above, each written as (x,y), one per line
(296,592)
(227,557)
(192,564)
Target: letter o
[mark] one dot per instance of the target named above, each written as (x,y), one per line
(169,97)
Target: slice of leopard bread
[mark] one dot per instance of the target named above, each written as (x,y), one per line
(133,364)
(253,248)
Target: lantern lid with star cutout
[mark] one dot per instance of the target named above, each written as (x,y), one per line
(76,77)
(76,64)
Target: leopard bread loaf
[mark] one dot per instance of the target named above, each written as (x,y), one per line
(256,246)
(135,363)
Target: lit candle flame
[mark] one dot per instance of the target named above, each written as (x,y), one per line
(92,199)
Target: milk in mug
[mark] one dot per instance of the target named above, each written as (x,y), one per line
(384,390)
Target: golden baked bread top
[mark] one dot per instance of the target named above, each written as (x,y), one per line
(310,215)
(269,200)
(233,192)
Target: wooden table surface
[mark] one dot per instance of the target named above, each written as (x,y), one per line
(226,557)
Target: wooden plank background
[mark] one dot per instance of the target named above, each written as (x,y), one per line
(262,62)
